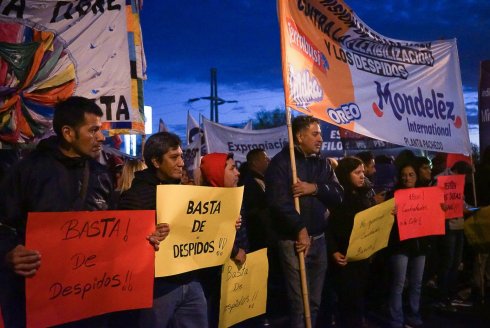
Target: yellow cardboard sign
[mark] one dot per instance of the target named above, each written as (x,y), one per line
(477,229)
(371,231)
(244,289)
(202,227)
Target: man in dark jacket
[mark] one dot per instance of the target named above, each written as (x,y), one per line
(177,300)
(60,175)
(254,202)
(317,189)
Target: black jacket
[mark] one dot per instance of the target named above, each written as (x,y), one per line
(143,196)
(256,211)
(341,219)
(278,180)
(48,181)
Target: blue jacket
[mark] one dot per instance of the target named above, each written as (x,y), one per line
(278,180)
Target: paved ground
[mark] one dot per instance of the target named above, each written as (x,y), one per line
(477,316)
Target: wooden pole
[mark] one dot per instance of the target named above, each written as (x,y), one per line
(301,255)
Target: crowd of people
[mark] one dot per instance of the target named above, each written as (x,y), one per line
(63,174)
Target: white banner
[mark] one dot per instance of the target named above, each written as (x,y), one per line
(223,139)
(339,70)
(82,49)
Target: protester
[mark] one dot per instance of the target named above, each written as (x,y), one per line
(60,175)
(317,188)
(350,277)
(129,169)
(186,178)
(369,162)
(451,246)
(254,202)
(219,170)
(407,256)
(481,266)
(179,299)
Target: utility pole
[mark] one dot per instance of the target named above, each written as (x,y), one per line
(214,100)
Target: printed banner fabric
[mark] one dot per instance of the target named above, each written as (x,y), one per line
(223,139)
(89,264)
(339,70)
(484,106)
(52,50)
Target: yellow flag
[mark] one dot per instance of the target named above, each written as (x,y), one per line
(202,227)
(244,289)
(371,231)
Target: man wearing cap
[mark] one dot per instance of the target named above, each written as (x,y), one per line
(317,189)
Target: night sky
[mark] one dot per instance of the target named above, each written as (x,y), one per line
(184,39)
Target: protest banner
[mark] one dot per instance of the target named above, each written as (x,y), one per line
(419,212)
(223,139)
(57,49)
(202,226)
(371,231)
(92,263)
(477,230)
(453,187)
(339,70)
(355,141)
(244,289)
(484,106)
(332,145)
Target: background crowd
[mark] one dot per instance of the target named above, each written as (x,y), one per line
(62,174)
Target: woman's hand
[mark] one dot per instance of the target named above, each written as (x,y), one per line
(161,232)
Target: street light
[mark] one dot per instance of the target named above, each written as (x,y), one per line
(215,101)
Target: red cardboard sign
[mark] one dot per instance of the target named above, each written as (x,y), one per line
(453,187)
(419,212)
(91,263)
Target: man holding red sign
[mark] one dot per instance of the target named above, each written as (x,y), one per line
(60,175)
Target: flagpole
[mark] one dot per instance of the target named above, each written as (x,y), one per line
(301,255)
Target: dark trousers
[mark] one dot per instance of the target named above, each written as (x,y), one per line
(351,281)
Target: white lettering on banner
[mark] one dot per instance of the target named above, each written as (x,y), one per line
(485,115)
(304,88)
(300,42)
(332,145)
(345,114)
(224,139)
(401,88)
